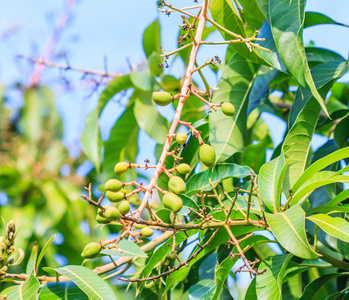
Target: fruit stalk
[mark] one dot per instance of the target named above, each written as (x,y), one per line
(185,91)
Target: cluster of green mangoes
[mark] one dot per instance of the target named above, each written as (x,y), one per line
(207,154)
(115,194)
(165,98)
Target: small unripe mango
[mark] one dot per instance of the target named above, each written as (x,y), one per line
(162,98)
(183,169)
(113,185)
(147,231)
(228,109)
(172,202)
(112,213)
(207,155)
(100,212)
(115,196)
(91,250)
(176,185)
(121,167)
(102,220)
(181,138)
(124,207)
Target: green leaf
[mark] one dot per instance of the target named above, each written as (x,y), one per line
(260,87)
(270,181)
(336,227)
(25,291)
(306,190)
(187,203)
(200,181)
(226,265)
(220,238)
(341,132)
(315,18)
(91,140)
(329,209)
(143,80)
(253,16)
(11,292)
(251,293)
(123,133)
(227,133)
(313,289)
(303,119)
(319,165)
(272,58)
(315,54)
(286,19)
(127,248)
(269,284)
(88,281)
(149,119)
(115,86)
(32,259)
(339,198)
(161,252)
(43,251)
(224,13)
(61,290)
(152,38)
(289,230)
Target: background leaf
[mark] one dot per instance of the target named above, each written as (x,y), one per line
(227,133)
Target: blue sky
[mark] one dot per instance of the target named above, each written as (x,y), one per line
(114,29)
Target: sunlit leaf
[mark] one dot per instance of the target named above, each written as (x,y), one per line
(336,227)
(269,284)
(289,229)
(286,19)
(315,18)
(88,281)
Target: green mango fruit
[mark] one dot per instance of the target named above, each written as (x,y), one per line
(124,207)
(228,109)
(181,138)
(102,220)
(207,155)
(115,196)
(121,167)
(183,169)
(172,202)
(162,98)
(147,231)
(112,213)
(91,250)
(176,185)
(113,185)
